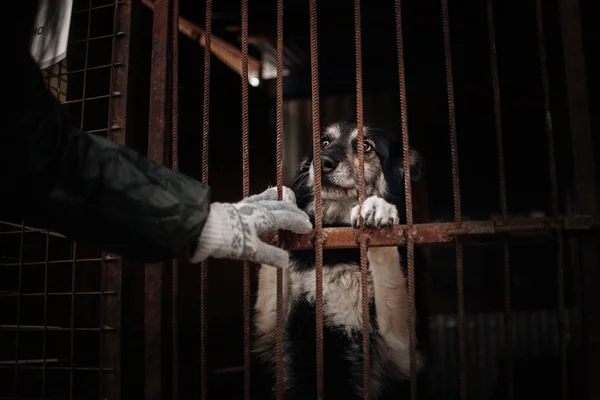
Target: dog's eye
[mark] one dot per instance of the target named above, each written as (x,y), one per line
(324,143)
(367,146)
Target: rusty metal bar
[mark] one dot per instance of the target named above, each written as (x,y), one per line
(508,323)
(560,269)
(279,349)
(45,323)
(19,285)
(50,328)
(361,198)
(97,7)
(72,327)
(410,244)
(9,294)
(85,66)
(462,341)
(28,263)
(175,167)
(27,364)
(74,264)
(229,54)
(112,35)
(84,99)
(246,192)
(318,210)
(157,134)
(205,264)
(446,232)
(585,195)
(112,265)
(77,71)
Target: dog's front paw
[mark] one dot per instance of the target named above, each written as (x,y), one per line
(288,195)
(375,212)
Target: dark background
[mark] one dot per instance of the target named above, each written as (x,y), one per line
(533,263)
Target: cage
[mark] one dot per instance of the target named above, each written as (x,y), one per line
(494,96)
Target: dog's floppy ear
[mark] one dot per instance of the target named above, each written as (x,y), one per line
(416,162)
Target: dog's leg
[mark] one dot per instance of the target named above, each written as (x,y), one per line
(391,304)
(266,306)
(390,286)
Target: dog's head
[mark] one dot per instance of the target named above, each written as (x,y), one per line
(384,167)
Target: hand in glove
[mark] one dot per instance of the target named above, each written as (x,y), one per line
(232,230)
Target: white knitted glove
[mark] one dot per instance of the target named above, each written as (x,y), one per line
(232,230)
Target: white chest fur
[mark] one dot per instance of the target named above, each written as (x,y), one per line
(342,294)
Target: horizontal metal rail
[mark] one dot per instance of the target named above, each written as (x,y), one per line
(339,238)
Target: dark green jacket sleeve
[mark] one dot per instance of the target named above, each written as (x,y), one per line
(90,188)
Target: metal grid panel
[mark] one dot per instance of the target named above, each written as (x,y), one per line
(61,300)
(460,232)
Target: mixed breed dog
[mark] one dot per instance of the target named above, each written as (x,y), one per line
(342,304)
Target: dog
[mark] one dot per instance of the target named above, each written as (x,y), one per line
(342,309)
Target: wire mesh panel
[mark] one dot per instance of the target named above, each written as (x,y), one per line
(61,301)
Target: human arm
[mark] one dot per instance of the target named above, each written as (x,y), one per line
(94,190)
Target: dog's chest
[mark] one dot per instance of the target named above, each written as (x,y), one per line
(342,293)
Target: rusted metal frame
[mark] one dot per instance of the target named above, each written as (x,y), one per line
(279,342)
(560,269)
(508,323)
(19,286)
(112,265)
(205,154)
(157,138)
(229,54)
(585,195)
(364,284)
(318,200)
(410,245)
(246,192)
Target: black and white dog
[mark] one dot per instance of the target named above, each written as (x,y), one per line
(388,295)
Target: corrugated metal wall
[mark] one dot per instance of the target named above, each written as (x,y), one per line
(535,336)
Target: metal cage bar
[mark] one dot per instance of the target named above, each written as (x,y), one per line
(560,269)
(157,135)
(508,320)
(585,199)
(246,192)
(462,339)
(279,349)
(19,285)
(205,155)
(410,245)
(112,265)
(364,277)
(318,207)
(175,167)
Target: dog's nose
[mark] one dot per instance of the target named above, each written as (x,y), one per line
(328,165)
